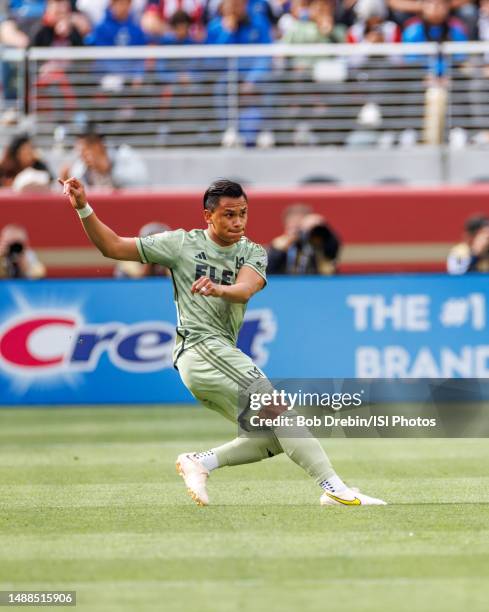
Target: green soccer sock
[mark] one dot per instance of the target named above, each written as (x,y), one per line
(247,450)
(306,451)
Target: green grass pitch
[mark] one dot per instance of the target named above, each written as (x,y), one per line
(89,501)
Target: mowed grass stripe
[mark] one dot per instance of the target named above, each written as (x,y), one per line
(252,595)
(445,491)
(310,567)
(246,544)
(157,468)
(116,521)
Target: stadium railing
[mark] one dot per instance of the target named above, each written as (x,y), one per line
(283,95)
(13,75)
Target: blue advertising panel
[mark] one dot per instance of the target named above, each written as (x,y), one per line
(110,341)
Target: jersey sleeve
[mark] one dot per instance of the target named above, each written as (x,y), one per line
(258,260)
(164,248)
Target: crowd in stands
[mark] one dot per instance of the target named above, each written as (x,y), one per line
(185,22)
(22,168)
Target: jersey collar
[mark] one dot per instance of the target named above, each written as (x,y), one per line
(217,247)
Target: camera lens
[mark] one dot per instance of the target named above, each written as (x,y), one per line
(15,248)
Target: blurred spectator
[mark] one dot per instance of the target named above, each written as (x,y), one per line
(57,28)
(483,23)
(471,255)
(21,167)
(23,19)
(435,24)
(98,169)
(307,246)
(269,10)
(294,11)
(156,20)
(371,24)
(404,10)
(180,30)
(236,26)
(18,26)
(95,9)
(134,269)
(20,20)
(315,24)
(17,260)
(119,28)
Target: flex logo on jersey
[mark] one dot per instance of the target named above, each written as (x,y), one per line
(221,277)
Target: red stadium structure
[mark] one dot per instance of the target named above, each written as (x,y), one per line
(383,229)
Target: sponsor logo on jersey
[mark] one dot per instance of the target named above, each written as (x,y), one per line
(201,255)
(220,277)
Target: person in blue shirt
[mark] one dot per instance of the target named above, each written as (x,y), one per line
(235,26)
(435,24)
(119,29)
(180,33)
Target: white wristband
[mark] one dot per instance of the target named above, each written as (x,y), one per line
(84,212)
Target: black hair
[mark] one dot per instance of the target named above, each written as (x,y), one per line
(221,189)
(179,17)
(16,143)
(475,223)
(90,133)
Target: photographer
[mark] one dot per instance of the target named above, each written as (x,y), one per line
(472,255)
(17,260)
(308,245)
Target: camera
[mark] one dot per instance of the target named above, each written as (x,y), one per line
(12,260)
(323,239)
(318,248)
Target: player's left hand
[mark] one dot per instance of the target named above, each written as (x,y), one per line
(205,287)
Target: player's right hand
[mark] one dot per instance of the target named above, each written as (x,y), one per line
(75,191)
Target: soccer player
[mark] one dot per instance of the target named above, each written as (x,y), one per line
(215,273)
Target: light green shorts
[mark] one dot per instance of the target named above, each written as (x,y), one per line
(215,372)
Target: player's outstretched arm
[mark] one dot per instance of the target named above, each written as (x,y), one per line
(106,240)
(248,282)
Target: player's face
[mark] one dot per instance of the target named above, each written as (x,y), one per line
(227,223)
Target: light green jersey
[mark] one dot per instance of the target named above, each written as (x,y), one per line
(190,255)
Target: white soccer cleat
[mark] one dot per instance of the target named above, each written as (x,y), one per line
(195,477)
(349,497)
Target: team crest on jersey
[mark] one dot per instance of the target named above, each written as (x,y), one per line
(259,328)
(149,240)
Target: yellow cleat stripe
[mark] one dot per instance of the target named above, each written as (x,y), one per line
(346,502)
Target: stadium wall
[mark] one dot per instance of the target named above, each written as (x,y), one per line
(110,341)
(383,229)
